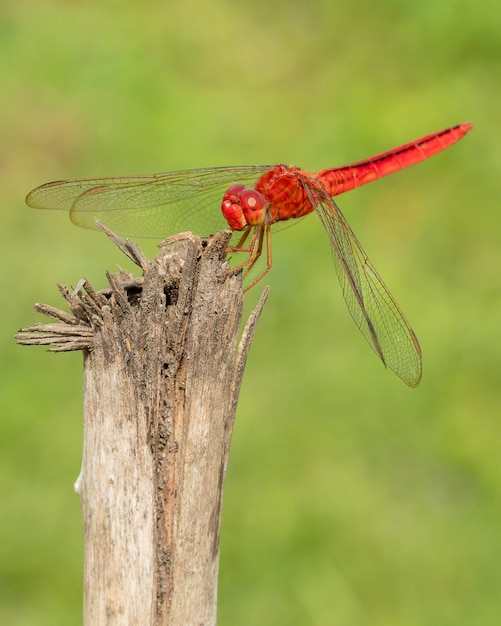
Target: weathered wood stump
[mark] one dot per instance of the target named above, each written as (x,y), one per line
(162,371)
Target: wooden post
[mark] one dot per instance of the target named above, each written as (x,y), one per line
(162,378)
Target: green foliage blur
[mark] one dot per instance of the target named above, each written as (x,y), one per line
(350,498)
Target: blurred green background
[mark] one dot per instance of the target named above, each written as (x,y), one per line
(350,499)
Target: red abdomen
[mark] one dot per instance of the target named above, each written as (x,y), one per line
(340,179)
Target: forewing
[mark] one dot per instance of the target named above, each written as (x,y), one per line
(148,206)
(369,301)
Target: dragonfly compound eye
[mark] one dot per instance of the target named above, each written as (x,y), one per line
(253,206)
(233,192)
(231,208)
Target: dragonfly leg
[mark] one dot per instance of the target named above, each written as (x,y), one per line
(255,250)
(240,245)
(268,258)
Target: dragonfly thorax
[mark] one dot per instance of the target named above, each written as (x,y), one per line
(284,189)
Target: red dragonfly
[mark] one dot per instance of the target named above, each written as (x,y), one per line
(258,197)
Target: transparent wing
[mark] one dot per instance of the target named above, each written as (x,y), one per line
(369,301)
(157,205)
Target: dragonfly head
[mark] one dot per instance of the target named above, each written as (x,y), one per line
(243,207)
